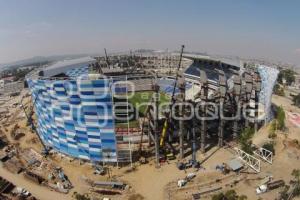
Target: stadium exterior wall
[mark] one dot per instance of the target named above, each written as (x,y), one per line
(75,117)
(268,80)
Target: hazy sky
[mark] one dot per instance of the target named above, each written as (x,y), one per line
(249,28)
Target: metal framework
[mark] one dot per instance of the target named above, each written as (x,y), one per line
(251,161)
(264,154)
(222,96)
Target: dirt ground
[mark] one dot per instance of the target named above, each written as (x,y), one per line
(148,182)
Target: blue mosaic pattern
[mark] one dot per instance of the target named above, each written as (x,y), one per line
(167,86)
(75,117)
(268,77)
(76,72)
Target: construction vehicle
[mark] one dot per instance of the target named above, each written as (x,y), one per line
(188,178)
(189,164)
(223,168)
(164,132)
(181,182)
(269,186)
(99,170)
(266,180)
(22,192)
(170,156)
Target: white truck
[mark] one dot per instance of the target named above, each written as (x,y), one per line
(269,186)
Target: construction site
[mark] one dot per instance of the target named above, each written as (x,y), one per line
(147,126)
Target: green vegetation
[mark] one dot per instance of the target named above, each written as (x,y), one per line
(19,74)
(278,90)
(280,117)
(135,197)
(269,146)
(296,175)
(278,123)
(132,124)
(245,140)
(284,195)
(78,196)
(296,100)
(296,142)
(140,100)
(288,75)
(249,65)
(229,195)
(272,129)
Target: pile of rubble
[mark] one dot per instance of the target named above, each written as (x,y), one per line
(8,191)
(9,157)
(44,172)
(35,168)
(17,132)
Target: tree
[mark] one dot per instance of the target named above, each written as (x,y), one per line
(78,196)
(296,100)
(296,182)
(272,129)
(246,134)
(245,140)
(269,146)
(280,118)
(296,174)
(229,195)
(284,194)
(288,75)
(279,121)
(278,90)
(243,197)
(219,196)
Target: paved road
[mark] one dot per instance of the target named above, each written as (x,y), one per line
(40,192)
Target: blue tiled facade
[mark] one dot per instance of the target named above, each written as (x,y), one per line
(75,117)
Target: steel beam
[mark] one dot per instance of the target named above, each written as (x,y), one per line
(251,161)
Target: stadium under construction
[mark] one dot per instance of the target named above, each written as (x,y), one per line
(118,108)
